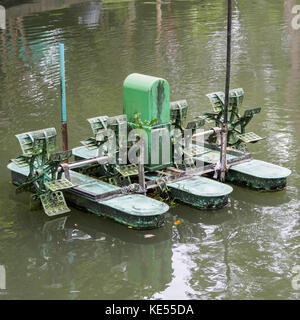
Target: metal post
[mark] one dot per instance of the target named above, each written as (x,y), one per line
(227,85)
(64,129)
(141,168)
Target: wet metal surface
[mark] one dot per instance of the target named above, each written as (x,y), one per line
(200,192)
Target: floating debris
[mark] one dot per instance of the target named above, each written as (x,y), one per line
(100,239)
(177,222)
(147,236)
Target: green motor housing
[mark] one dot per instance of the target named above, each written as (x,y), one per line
(146,102)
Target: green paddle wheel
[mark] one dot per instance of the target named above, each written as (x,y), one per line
(237,136)
(178,117)
(178,114)
(103,142)
(110,139)
(44,178)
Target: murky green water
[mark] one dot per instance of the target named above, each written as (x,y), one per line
(245,251)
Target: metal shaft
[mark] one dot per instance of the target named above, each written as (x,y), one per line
(82,163)
(64,133)
(228,61)
(224,134)
(141,168)
(208,132)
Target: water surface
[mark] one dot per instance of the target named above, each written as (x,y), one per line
(244,251)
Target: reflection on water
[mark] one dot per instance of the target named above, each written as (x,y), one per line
(244,251)
(73,257)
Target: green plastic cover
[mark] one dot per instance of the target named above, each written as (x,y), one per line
(148,97)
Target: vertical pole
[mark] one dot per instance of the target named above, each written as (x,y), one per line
(64,129)
(141,168)
(227,85)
